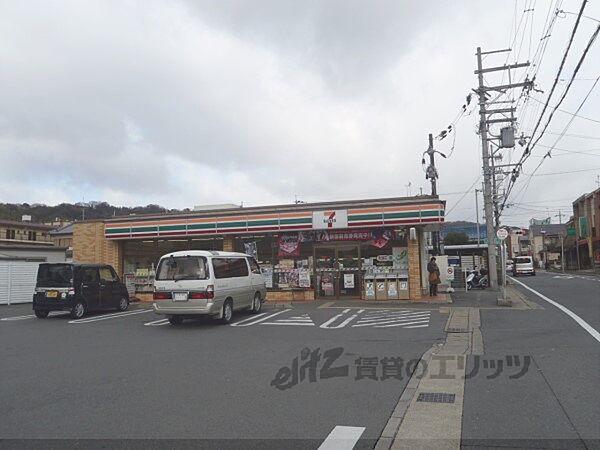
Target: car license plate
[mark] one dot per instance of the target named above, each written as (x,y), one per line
(180,296)
(51,294)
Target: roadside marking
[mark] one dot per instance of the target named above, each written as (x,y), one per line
(327,324)
(342,438)
(157,323)
(303,320)
(403,324)
(587,327)
(388,319)
(110,316)
(19,317)
(31,316)
(257,319)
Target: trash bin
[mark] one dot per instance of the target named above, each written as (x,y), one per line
(369,293)
(381,288)
(403,289)
(392,287)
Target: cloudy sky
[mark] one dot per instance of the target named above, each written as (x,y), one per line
(183,103)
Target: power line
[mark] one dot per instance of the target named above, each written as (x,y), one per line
(549,153)
(555,83)
(464,194)
(562,173)
(532,143)
(568,112)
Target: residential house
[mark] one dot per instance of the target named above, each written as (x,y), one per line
(14,233)
(586,218)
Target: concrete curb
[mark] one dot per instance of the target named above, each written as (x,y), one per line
(393,424)
(406,428)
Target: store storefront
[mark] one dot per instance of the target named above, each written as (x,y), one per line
(363,249)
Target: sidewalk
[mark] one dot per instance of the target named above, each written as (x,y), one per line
(488,298)
(440,299)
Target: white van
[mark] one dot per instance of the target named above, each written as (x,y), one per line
(523,265)
(207,283)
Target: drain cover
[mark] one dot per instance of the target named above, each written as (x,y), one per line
(457,330)
(435,397)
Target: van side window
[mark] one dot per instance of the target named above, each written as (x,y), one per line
(254,267)
(230,267)
(89,275)
(239,267)
(106,274)
(221,267)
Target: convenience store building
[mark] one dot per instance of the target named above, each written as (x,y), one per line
(359,249)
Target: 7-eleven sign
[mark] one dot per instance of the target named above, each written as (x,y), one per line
(334,218)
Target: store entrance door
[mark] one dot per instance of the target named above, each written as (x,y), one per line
(337,271)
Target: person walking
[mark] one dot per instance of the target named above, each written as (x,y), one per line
(434,276)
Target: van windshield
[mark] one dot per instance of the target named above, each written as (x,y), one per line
(523,260)
(55,275)
(182,268)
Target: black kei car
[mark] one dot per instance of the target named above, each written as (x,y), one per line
(78,288)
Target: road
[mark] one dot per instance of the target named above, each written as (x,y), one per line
(557,403)
(135,377)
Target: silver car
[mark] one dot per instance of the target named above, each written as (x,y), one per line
(196,283)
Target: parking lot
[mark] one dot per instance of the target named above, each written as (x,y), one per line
(261,379)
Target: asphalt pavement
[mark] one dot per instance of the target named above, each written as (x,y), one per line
(133,376)
(296,376)
(555,403)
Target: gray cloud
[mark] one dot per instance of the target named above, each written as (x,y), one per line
(182,103)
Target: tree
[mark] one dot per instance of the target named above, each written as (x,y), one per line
(456,238)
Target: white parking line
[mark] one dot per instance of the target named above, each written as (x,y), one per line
(254,321)
(327,324)
(110,316)
(402,324)
(342,438)
(383,322)
(157,323)
(390,317)
(19,317)
(582,323)
(31,316)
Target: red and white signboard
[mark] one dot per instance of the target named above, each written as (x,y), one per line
(450,273)
(335,218)
(502,233)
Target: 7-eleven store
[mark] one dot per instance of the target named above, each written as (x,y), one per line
(362,249)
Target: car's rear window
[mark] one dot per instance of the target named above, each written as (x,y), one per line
(182,268)
(523,260)
(55,275)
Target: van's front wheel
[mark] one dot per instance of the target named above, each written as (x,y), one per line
(227,312)
(256,304)
(40,314)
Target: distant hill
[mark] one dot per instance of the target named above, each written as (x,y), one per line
(70,212)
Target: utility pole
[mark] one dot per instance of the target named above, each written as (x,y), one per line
(431,174)
(559,215)
(492,216)
(487,183)
(477,215)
